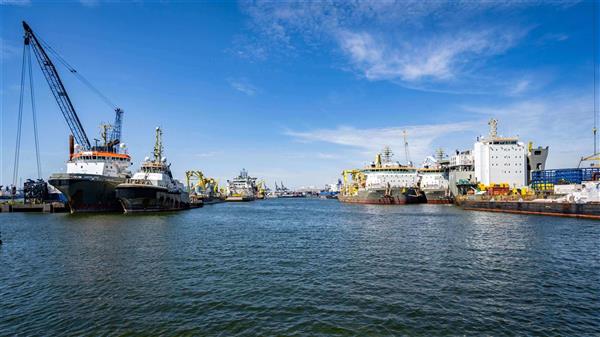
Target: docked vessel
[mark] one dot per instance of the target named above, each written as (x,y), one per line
(434,179)
(383,182)
(203,190)
(281,191)
(93,171)
(153,187)
(92,176)
(241,188)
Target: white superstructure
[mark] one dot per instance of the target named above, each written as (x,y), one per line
(500,160)
(157,172)
(103,163)
(243,185)
(433,180)
(461,161)
(386,173)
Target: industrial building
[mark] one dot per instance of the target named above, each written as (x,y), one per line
(500,160)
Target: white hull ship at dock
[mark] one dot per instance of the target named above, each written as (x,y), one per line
(241,188)
(153,188)
(383,182)
(434,181)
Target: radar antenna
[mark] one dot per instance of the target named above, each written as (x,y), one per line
(386,154)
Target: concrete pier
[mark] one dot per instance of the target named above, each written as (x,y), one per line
(52,207)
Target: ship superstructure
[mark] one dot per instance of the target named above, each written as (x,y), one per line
(92,175)
(434,179)
(383,182)
(153,187)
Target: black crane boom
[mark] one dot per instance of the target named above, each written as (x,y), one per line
(57,88)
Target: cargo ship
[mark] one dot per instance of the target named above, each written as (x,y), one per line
(92,176)
(241,188)
(153,188)
(434,179)
(383,182)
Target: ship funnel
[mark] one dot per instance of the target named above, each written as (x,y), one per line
(71,144)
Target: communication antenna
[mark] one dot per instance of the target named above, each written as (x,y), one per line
(493,123)
(595,46)
(406,153)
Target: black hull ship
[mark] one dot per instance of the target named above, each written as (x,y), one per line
(88,193)
(153,188)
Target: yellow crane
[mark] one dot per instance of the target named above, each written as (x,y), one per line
(350,187)
(197,179)
(260,189)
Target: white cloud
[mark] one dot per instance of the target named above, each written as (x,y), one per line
(423,45)
(242,85)
(16,2)
(438,59)
(421,138)
(207,154)
(520,87)
(89,3)
(8,49)
(562,122)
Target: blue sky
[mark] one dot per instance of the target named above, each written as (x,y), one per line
(296,92)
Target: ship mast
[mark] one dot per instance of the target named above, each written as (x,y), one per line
(386,155)
(158,148)
(406,153)
(493,123)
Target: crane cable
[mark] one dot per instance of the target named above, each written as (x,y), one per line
(19,121)
(26,67)
(80,77)
(34,113)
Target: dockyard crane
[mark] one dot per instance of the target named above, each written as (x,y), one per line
(60,93)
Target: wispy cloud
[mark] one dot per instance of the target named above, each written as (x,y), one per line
(8,49)
(243,85)
(553,37)
(209,154)
(438,59)
(562,122)
(89,3)
(423,45)
(420,137)
(16,2)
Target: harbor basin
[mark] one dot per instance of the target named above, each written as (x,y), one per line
(300,267)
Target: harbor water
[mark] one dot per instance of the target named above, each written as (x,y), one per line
(300,267)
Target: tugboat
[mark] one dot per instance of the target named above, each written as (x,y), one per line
(241,188)
(153,187)
(93,174)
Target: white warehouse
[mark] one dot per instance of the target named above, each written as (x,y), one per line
(500,160)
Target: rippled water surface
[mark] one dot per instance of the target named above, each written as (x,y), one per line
(300,267)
